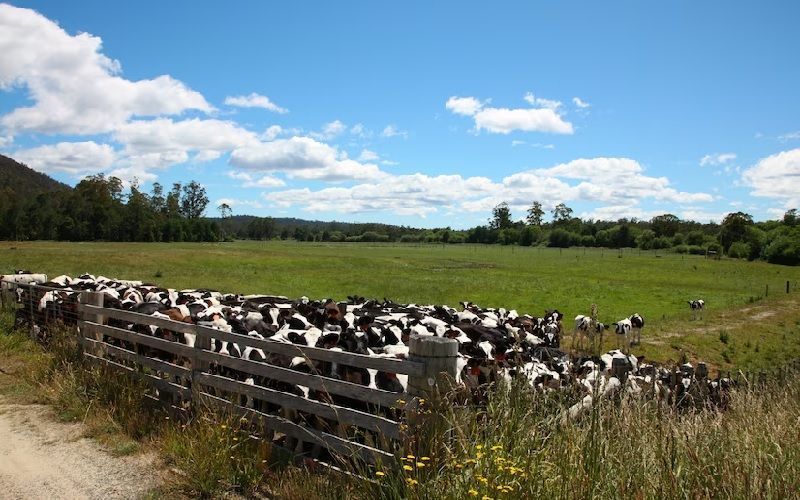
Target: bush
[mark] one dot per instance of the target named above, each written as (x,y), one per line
(695,238)
(784,250)
(739,250)
(681,249)
(661,242)
(561,238)
(696,250)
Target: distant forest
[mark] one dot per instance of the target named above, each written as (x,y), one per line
(36,207)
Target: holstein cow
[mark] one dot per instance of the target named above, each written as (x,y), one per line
(637,323)
(623,329)
(697,306)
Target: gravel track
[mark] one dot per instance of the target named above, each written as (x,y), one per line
(43,458)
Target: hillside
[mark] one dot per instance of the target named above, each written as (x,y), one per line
(25,181)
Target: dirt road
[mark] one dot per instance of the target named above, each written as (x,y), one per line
(43,458)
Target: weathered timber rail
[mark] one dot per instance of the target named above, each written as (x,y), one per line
(185,378)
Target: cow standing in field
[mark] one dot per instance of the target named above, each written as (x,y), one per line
(697,306)
(637,323)
(623,330)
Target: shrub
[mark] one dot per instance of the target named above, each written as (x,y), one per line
(739,250)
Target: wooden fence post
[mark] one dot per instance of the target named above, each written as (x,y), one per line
(439,355)
(93,299)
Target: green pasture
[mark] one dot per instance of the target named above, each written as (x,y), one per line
(530,280)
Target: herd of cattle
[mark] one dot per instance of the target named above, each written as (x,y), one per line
(494,343)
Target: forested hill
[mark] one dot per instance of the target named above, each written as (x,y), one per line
(249,226)
(25,181)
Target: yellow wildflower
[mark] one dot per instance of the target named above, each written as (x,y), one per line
(496,447)
(420,464)
(474,493)
(479,447)
(425,459)
(407,467)
(380,473)
(411,481)
(410,457)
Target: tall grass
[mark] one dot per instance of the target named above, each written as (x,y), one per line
(520,446)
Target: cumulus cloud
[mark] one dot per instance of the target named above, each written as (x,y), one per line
(777,177)
(272,132)
(717,159)
(360,131)
(367,155)
(75,88)
(789,136)
(329,130)
(264,182)
(302,158)
(392,131)
(577,101)
(254,101)
(541,102)
(172,141)
(233,203)
(544,118)
(465,106)
(416,194)
(74,158)
(619,184)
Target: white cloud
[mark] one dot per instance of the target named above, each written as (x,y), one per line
(717,159)
(329,131)
(75,158)
(75,88)
(6,141)
(416,194)
(360,131)
(698,215)
(466,106)
(367,155)
(777,177)
(517,143)
(580,103)
(541,102)
(233,203)
(616,212)
(610,179)
(167,137)
(505,121)
(254,101)
(618,183)
(302,158)
(789,136)
(248,181)
(392,131)
(272,132)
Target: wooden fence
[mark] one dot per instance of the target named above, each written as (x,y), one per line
(190,377)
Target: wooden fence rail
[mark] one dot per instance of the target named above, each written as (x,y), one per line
(190,376)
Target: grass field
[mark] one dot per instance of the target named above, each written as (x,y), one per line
(527,279)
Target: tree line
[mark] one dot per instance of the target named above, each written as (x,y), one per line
(98,209)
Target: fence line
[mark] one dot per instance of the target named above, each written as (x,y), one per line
(189,377)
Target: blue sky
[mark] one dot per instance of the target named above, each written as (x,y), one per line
(410,113)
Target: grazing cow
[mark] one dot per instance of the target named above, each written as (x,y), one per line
(623,330)
(637,323)
(697,306)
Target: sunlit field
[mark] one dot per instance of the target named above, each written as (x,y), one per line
(656,285)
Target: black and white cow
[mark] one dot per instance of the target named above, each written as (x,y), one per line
(697,306)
